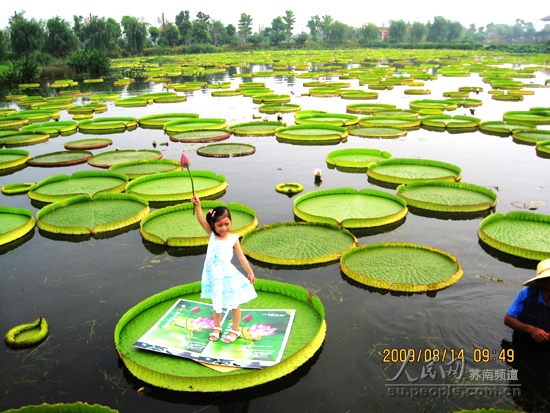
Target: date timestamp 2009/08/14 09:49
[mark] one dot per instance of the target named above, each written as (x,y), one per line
(479,355)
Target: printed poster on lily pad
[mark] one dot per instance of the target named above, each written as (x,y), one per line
(184,331)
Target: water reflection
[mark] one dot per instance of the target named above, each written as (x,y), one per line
(157,249)
(518,262)
(85,237)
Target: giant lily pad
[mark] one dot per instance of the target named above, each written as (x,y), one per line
(356,157)
(256,128)
(503,127)
(201,135)
(531,136)
(23,138)
(312,133)
(401,267)
(88,144)
(14,223)
(62,158)
(447,196)
(450,122)
(85,215)
(398,121)
(368,108)
(226,150)
(77,407)
(350,208)
(544,147)
(158,121)
(176,226)
(520,233)
(176,186)
(279,107)
(107,159)
(190,124)
(175,373)
(298,243)
(404,171)
(27,335)
(378,132)
(135,169)
(107,124)
(530,116)
(59,187)
(52,128)
(332,119)
(17,188)
(88,109)
(10,158)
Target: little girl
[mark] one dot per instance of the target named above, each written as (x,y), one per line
(221,281)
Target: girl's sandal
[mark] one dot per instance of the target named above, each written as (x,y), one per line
(229,339)
(214,334)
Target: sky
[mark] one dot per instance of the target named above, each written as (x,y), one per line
(479,12)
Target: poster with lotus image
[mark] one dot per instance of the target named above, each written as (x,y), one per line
(185,328)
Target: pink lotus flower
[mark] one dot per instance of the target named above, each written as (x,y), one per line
(261,330)
(247,318)
(206,323)
(195,310)
(185,161)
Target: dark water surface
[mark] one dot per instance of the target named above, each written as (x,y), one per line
(84,285)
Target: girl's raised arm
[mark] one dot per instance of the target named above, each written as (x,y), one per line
(200,216)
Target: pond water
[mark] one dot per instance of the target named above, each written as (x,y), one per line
(84,285)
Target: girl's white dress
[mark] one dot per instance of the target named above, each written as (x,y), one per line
(221,281)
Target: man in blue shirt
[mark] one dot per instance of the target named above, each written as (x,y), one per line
(529,314)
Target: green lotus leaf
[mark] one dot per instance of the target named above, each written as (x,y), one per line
(226,93)
(289,188)
(226,150)
(520,233)
(158,121)
(85,215)
(253,85)
(177,226)
(28,85)
(418,92)
(271,98)
(534,117)
(107,159)
(332,119)
(23,138)
(356,158)
(298,243)
(170,99)
(88,144)
(368,108)
(191,124)
(6,112)
(135,169)
(10,158)
(14,223)
(107,123)
(312,133)
(93,80)
(60,187)
(15,97)
(256,128)
(447,196)
(432,104)
(175,373)
(64,408)
(52,128)
(544,147)
(27,335)
(132,102)
(17,188)
(106,96)
(401,267)
(503,127)
(282,108)
(201,135)
(63,158)
(350,208)
(508,98)
(358,94)
(450,122)
(176,186)
(404,171)
(398,121)
(35,115)
(531,135)
(89,108)
(378,132)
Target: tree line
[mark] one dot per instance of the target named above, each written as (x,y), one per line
(60,38)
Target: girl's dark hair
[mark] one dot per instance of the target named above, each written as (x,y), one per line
(214,215)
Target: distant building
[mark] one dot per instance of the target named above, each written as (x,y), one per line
(544,34)
(383,30)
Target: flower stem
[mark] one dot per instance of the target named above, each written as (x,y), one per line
(192,187)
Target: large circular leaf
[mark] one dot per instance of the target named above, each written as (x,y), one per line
(10,158)
(520,233)
(175,373)
(350,208)
(88,144)
(14,223)
(83,215)
(256,128)
(356,157)
(312,133)
(77,407)
(447,196)
(177,226)
(404,171)
(226,150)
(401,267)
(136,169)
(63,158)
(201,135)
(176,186)
(107,159)
(298,243)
